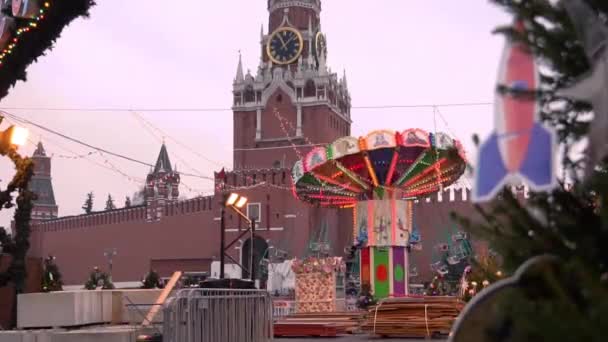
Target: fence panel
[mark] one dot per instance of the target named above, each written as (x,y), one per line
(214,315)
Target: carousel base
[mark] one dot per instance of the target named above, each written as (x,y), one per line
(385,270)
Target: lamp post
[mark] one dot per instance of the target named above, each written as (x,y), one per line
(109,254)
(251,258)
(222,237)
(236,202)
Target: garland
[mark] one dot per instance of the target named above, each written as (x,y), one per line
(31,37)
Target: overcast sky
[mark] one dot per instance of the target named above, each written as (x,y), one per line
(150,54)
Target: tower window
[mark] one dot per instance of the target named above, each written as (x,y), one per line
(249,94)
(310,89)
(279,98)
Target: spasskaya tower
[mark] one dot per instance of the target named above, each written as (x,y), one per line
(293,98)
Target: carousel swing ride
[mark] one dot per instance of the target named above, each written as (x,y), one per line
(379,176)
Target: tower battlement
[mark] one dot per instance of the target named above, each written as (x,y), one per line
(123,215)
(462,193)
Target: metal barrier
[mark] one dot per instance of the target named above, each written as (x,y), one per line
(283,308)
(218,315)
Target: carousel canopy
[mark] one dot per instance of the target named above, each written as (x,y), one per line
(407,165)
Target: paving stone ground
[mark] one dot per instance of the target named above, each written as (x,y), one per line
(353,339)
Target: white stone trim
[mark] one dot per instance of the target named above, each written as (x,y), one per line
(278,84)
(258,124)
(275,5)
(299,120)
(261,229)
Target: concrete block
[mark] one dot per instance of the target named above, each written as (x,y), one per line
(63,309)
(142,298)
(102,334)
(83,307)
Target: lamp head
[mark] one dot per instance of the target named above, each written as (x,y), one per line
(18,135)
(232,199)
(241,202)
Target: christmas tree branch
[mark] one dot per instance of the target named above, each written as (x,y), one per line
(34,43)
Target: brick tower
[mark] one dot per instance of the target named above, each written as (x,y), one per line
(292,103)
(294,98)
(45,207)
(162,186)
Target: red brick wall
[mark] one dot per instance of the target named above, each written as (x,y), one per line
(435,226)
(187,230)
(166,267)
(190,231)
(298,17)
(320,125)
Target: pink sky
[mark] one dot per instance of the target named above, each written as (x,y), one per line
(139,54)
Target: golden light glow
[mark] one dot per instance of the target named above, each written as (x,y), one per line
(232,199)
(241,202)
(19,135)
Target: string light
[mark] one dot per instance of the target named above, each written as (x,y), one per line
(32,23)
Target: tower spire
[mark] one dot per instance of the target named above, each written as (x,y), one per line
(239,71)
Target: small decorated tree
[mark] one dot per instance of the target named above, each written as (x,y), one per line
(440,286)
(366,297)
(97,278)
(127,202)
(484,270)
(51,278)
(152,281)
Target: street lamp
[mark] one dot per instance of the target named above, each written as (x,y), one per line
(236,202)
(13,136)
(109,254)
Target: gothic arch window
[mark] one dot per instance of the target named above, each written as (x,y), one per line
(249,94)
(310,89)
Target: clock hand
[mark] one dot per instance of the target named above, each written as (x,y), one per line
(289,40)
(282,41)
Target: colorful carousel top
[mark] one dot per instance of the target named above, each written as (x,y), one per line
(410,164)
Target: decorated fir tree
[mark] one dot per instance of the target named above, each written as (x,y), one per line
(567,301)
(98,279)
(127,202)
(151,281)
(51,277)
(483,271)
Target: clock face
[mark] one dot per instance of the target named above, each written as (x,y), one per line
(320,44)
(285,45)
